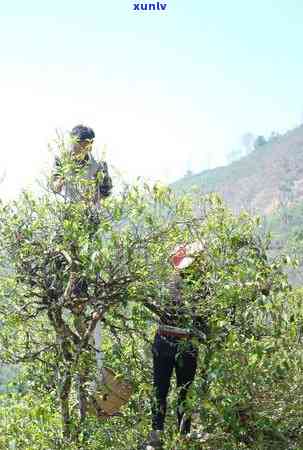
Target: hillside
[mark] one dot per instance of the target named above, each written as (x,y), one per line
(267,178)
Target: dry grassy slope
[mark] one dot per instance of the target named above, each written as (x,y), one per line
(254,181)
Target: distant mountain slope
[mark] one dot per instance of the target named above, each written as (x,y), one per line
(259,181)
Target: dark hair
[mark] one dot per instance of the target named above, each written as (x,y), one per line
(82,133)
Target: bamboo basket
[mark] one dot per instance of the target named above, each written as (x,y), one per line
(111,394)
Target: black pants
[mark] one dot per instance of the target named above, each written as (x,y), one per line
(172,353)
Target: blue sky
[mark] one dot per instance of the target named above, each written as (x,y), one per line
(165,92)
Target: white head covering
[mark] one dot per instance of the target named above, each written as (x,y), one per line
(184,255)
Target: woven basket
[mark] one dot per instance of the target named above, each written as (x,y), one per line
(111,394)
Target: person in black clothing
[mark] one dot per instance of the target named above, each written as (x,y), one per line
(173,347)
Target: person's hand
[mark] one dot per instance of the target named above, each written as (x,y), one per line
(58,184)
(199,335)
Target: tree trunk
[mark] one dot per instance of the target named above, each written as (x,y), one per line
(82,376)
(82,396)
(64,391)
(65,382)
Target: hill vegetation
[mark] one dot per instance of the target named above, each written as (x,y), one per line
(269,177)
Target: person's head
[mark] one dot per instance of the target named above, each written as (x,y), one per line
(82,140)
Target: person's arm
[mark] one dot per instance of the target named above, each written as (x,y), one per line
(200,328)
(200,321)
(56,180)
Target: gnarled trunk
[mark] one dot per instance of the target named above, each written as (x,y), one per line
(64,392)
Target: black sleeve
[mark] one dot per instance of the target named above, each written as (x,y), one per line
(105,183)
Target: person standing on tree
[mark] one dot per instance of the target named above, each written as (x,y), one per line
(173,346)
(77,177)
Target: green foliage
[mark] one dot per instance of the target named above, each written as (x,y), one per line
(250,356)
(28,422)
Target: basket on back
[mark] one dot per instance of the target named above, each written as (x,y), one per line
(111,394)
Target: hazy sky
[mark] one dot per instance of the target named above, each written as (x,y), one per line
(166,92)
